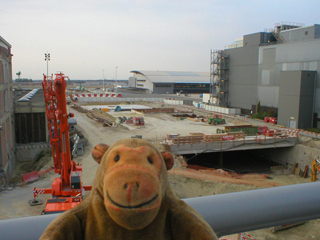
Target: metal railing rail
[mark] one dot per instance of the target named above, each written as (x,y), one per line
(226,213)
(190,146)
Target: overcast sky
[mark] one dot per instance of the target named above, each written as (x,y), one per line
(88,39)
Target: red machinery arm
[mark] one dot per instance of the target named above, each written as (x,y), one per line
(60,86)
(57,116)
(67,189)
(51,106)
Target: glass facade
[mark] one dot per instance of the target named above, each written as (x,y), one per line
(191,87)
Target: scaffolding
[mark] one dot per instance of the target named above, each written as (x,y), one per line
(219,77)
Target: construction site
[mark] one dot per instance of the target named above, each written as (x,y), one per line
(214,154)
(223,140)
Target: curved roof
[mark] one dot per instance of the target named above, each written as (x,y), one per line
(175,76)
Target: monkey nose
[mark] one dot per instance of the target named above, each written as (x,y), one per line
(130,185)
(132,190)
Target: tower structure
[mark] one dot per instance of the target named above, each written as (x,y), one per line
(219,77)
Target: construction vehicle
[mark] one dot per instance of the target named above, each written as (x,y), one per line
(271,120)
(216,119)
(137,121)
(315,167)
(117,109)
(67,189)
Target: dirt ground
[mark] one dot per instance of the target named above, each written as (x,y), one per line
(185,183)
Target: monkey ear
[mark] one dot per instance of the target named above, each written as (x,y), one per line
(98,151)
(168,159)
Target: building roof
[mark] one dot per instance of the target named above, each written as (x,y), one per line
(237,43)
(175,76)
(4,42)
(28,95)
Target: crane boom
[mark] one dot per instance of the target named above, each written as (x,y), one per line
(66,189)
(60,87)
(50,103)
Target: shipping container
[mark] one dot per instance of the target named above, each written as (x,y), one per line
(247,129)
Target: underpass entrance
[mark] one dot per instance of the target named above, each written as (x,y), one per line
(250,161)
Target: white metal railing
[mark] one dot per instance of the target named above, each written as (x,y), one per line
(226,213)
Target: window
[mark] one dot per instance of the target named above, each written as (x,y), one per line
(140,85)
(191,85)
(75,182)
(163,85)
(306,33)
(141,80)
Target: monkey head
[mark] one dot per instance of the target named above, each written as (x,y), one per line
(132,178)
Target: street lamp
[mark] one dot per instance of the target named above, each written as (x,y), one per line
(47,59)
(116,76)
(116,73)
(103,80)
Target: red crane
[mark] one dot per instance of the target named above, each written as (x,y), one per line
(67,189)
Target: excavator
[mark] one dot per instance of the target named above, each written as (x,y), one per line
(315,167)
(67,189)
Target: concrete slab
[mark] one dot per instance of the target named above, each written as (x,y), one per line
(112,107)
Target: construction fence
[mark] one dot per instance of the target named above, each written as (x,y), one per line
(116,99)
(232,111)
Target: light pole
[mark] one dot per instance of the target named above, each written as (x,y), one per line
(47,59)
(103,80)
(116,76)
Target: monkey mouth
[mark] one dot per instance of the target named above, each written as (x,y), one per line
(132,207)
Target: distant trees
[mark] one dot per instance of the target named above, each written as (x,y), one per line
(23,80)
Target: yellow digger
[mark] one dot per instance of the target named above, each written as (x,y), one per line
(315,167)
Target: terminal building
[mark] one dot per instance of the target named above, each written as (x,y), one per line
(279,68)
(170,81)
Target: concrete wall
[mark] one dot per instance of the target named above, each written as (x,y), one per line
(132,82)
(243,72)
(116,99)
(268,87)
(165,88)
(29,152)
(317,31)
(300,34)
(296,97)
(7,140)
(140,81)
(216,109)
(306,99)
(29,107)
(292,56)
(30,118)
(301,56)
(254,69)
(301,154)
(289,97)
(173,102)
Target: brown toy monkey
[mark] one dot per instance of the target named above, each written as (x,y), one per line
(131,199)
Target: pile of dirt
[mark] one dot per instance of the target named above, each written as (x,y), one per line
(310,142)
(195,181)
(42,161)
(187,186)
(225,177)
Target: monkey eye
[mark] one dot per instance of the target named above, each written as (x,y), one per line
(150,160)
(116,158)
